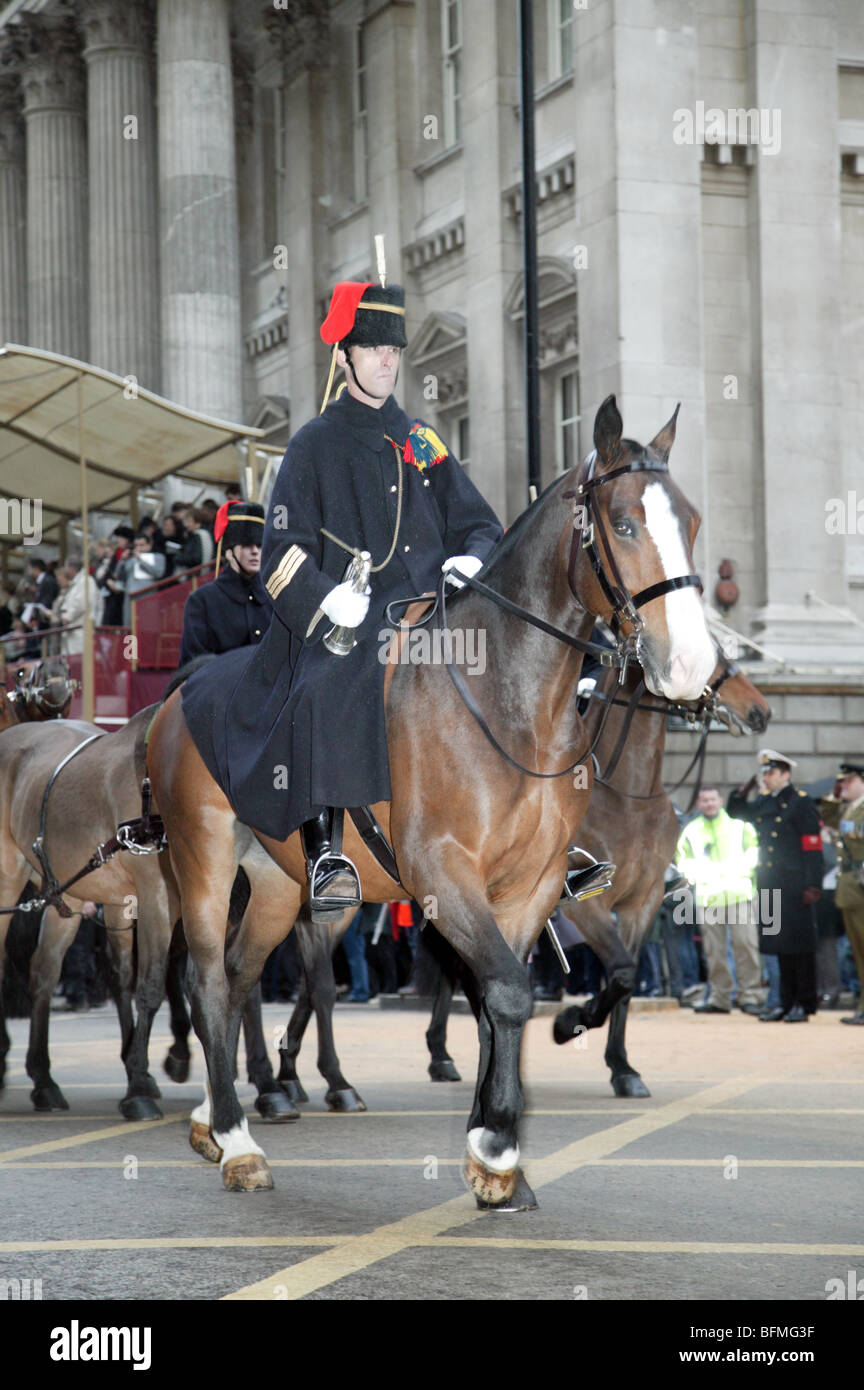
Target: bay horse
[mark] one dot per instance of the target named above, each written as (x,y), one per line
(475,831)
(632,821)
(618,826)
(99,788)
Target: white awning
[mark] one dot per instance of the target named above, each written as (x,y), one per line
(129,437)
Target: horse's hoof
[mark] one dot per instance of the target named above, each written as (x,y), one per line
(203,1142)
(294,1091)
(246,1173)
(521,1198)
(150,1088)
(444,1071)
(139,1108)
(629,1083)
(490,1189)
(48,1097)
(344,1100)
(177,1068)
(276,1108)
(566,1023)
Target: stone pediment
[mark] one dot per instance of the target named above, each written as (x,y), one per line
(271,413)
(441,333)
(556,283)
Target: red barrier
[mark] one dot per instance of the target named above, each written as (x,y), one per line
(157,619)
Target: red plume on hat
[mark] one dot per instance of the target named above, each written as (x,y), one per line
(343,309)
(221,520)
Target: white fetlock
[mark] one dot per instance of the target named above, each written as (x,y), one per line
(237,1143)
(479,1146)
(203,1113)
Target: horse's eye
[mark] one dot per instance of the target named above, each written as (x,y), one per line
(624,527)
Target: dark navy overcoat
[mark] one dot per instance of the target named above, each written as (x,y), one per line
(287,727)
(232,611)
(790,860)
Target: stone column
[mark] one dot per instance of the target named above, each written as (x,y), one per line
(47,55)
(124,279)
(638,216)
(13,223)
(299,32)
(200,268)
(796,249)
(493,250)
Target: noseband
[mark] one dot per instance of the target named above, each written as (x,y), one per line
(624,605)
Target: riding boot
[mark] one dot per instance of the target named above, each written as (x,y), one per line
(334,883)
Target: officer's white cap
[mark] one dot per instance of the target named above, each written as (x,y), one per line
(766,756)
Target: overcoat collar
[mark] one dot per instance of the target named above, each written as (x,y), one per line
(367,424)
(235,587)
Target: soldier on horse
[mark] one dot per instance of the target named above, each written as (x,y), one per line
(287,728)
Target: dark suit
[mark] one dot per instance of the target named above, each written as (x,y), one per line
(790,861)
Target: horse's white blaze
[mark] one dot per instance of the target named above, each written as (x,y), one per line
(479,1141)
(237,1142)
(692,654)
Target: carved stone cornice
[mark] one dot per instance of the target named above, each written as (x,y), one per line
(559,339)
(300,32)
(109,25)
(11,121)
(46,53)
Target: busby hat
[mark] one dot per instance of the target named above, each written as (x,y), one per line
(364,314)
(238,523)
(769,757)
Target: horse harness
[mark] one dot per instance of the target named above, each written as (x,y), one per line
(143,834)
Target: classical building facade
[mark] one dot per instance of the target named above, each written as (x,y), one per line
(181,182)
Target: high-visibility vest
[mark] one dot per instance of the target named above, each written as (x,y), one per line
(719,857)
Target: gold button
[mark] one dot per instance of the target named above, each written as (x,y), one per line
(257,632)
(407,548)
(425,482)
(393,488)
(773,834)
(778,817)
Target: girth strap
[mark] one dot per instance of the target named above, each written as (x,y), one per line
(52,890)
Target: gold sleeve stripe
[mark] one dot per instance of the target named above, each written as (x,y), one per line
(285,571)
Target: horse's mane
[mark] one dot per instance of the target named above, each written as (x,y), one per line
(515,533)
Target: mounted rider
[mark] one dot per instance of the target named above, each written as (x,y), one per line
(234,610)
(291,730)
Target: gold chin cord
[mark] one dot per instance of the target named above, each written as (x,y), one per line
(330,378)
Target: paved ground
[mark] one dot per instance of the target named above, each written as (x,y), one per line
(740,1178)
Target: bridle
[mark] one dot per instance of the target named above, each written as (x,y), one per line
(28,692)
(623,604)
(699,713)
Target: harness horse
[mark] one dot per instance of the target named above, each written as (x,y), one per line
(478,829)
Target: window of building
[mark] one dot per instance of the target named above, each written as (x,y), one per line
(567,419)
(451,52)
(560,33)
(359,119)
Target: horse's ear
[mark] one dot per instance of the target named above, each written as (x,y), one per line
(665,438)
(608,427)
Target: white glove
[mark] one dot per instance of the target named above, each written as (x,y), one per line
(345,608)
(468,564)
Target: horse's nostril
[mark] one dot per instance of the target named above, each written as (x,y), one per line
(757,720)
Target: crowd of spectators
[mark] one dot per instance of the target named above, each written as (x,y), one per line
(50,594)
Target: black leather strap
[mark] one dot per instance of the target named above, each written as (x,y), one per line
(375,840)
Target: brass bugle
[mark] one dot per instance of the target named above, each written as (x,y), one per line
(341,640)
